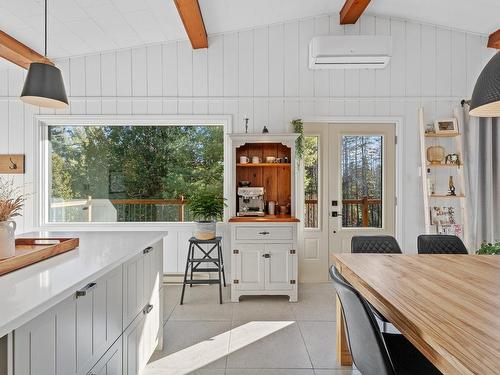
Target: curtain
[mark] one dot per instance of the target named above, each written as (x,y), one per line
(482,163)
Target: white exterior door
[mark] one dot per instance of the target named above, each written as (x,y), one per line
(361,183)
(349,189)
(279,267)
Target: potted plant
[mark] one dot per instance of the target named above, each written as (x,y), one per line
(489,248)
(11,204)
(206,207)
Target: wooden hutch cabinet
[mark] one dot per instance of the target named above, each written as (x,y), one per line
(264,256)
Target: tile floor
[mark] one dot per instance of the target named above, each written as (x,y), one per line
(260,335)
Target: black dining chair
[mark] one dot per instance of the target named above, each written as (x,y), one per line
(375,244)
(440,244)
(374,352)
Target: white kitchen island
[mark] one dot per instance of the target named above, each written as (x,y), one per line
(92,310)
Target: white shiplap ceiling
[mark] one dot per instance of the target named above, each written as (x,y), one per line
(86,26)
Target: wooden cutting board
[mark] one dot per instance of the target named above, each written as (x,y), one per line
(34,250)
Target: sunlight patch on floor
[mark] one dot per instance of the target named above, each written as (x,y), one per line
(201,354)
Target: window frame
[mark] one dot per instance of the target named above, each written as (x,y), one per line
(319,208)
(42,123)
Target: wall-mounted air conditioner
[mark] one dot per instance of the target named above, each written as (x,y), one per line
(350,52)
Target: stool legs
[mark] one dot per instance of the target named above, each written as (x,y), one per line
(186,272)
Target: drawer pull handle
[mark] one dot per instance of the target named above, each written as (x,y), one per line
(264,233)
(266,255)
(87,288)
(147,309)
(147,250)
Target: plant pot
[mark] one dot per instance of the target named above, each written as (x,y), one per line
(205,230)
(7,239)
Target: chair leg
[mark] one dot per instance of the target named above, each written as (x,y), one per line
(222,265)
(185,275)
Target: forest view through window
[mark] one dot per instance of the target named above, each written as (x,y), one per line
(131,173)
(361,158)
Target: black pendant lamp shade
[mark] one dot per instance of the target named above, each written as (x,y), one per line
(44,87)
(485,100)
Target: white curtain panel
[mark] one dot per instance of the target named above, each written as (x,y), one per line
(482,163)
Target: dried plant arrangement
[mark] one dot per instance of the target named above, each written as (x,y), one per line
(11,200)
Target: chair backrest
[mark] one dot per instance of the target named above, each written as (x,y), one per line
(366,344)
(440,244)
(375,244)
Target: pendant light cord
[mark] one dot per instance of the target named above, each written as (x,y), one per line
(45,28)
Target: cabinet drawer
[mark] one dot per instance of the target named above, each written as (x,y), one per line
(263,233)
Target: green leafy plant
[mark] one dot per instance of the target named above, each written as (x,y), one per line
(298,127)
(488,248)
(206,205)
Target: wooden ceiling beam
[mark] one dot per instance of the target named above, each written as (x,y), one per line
(191,17)
(494,40)
(18,53)
(352,10)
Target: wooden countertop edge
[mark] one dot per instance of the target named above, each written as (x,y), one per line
(264,219)
(396,317)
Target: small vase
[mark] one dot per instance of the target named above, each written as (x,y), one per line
(7,239)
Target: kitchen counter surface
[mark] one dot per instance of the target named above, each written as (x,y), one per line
(29,291)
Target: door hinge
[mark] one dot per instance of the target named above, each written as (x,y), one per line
(292,251)
(292,281)
(236,281)
(396,201)
(395,139)
(236,251)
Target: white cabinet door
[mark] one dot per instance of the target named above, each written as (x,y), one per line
(249,263)
(279,267)
(133,288)
(98,318)
(134,353)
(111,363)
(70,337)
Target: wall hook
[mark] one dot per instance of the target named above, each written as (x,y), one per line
(12,165)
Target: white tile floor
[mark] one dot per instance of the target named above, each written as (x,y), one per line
(259,335)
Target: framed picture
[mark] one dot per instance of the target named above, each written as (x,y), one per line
(446,126)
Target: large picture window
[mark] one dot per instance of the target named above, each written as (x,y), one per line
(130,173)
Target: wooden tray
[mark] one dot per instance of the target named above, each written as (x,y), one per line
(33,250)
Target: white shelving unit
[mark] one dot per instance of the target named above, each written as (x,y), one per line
(439,174)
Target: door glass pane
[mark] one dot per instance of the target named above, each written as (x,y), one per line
(311,182)
(362,165)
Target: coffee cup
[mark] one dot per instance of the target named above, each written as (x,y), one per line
(270,159)
(255,160)
(244,159)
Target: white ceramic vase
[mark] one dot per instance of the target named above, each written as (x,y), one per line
(7,239)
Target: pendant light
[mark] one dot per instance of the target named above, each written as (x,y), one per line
(485,100)
(44,85)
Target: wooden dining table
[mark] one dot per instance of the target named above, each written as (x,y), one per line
(447,306)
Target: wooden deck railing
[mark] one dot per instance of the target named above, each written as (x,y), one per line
(150,209)
(365,212)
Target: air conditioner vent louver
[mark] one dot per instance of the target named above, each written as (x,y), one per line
(350,52)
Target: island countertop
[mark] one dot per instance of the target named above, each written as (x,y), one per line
(27,292)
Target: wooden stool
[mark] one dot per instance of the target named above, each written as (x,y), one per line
(193,264)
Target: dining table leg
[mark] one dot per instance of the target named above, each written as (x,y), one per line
(343,353)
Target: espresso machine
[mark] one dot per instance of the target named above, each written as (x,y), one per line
(251,201)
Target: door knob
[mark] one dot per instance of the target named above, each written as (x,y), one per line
(266,255)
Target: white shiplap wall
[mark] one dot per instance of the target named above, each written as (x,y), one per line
(263,73)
